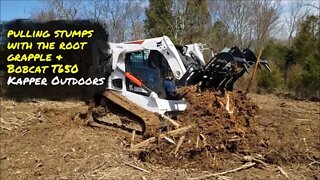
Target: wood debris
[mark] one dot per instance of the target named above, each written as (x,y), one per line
(169,133)
(179,144)
(283,172)
(245,166)
(136,167)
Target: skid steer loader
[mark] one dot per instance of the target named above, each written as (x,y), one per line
(137,72)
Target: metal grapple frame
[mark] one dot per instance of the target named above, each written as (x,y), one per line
(223,70)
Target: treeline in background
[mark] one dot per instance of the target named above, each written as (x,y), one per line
(288,31)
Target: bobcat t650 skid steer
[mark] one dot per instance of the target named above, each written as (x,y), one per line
(142,74)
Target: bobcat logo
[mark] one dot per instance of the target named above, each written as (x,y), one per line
(159,43)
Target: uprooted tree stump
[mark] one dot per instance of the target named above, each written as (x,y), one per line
(212,126)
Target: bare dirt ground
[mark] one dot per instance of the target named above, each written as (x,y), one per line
(39,140)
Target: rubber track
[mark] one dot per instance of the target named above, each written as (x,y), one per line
(152,122)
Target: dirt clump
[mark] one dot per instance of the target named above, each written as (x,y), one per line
(220,122)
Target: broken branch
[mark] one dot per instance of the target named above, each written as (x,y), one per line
(171,121)
(179,144)
(144,143)
(170,133)
(283,172)
(245,166)
(169,140)
(250,159)
(197,144)
(136,167)
(132,138)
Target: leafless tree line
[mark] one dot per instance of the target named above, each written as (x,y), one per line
(252,22)
(123,19)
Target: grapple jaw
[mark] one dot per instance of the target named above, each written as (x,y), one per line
(223,70)
(265,64)
(252,59)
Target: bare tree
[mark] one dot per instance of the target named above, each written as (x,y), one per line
(93,10)
(116,14)
(65,9)
(122,19)
(125,20)
(135,19)
(266,19)
(297,14)
(179,9)
(236,15)
(59,9)
(251,21)
(315,6)
(44,15)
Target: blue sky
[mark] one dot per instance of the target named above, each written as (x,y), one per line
(13,9)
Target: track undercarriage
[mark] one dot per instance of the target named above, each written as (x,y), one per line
(112,109)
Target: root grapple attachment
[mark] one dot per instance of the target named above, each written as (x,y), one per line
(223,70)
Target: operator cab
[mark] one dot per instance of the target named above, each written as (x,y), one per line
(151,67)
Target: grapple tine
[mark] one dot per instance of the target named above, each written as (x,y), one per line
(224,69)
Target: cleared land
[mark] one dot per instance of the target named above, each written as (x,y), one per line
(40,140)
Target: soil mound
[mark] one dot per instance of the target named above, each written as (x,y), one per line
(219,124)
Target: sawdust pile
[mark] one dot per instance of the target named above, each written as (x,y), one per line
(220,125)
